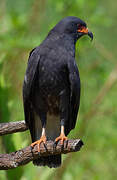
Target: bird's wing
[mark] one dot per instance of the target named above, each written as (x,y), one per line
(74,80)
(29,79)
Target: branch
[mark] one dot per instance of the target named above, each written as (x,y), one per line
(12,127)
(24,156)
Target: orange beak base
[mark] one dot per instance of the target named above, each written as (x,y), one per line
(83,30)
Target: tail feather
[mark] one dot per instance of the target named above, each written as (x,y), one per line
(53,161)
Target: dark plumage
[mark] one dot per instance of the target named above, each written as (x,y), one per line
(51,89)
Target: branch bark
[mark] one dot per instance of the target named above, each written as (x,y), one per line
(12,127)
(24,156)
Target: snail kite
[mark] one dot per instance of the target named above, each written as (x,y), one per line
(51,89)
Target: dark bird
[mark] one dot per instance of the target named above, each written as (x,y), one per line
(51,89)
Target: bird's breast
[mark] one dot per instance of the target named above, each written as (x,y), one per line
(53,104)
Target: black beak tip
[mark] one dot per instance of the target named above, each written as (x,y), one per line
(90,34)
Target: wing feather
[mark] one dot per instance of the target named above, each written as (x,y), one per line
(74,80)
(29,79)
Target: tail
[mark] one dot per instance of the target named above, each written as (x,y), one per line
(52,161)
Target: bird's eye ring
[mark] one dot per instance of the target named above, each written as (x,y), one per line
(79,26)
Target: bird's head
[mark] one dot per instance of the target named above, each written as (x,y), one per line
(73,26)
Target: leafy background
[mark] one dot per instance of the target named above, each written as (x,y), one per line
(23,25)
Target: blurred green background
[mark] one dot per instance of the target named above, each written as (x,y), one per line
(23,25)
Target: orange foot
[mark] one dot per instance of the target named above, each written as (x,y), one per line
(42,139)
(61,138)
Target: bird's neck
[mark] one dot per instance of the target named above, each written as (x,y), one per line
(64,40)
(69,44)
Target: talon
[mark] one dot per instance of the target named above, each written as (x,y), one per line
(38,142)
(61,138)
(54,146)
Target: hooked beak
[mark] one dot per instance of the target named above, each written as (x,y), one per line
(85,30)
(90,34)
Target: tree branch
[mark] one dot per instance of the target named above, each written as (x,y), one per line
(24,156)
(12,127)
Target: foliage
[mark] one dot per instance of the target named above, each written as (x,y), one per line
(24,24)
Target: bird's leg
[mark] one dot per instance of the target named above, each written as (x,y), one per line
(62,136)
(42,139)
